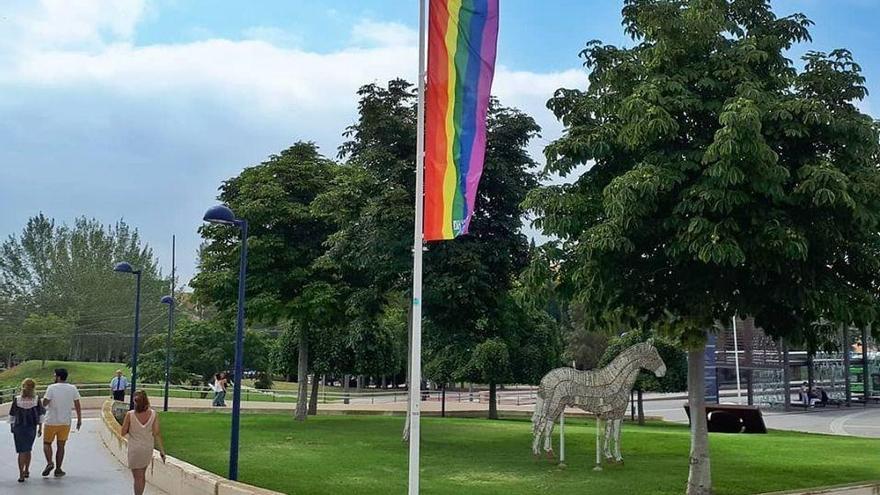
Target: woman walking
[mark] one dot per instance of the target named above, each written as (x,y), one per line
(220,385)
(141,426)
(26,418)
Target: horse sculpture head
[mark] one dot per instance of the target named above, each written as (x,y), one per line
(651,360)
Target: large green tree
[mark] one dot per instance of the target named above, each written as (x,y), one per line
(723,180)
(286,237)
(468,282)
(67,271)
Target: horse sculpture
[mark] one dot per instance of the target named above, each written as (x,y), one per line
(604,392)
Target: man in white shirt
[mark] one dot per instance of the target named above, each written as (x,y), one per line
(60,398)
(118,385)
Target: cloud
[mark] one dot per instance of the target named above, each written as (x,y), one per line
(273,35)
(75,22)
(373,33)
(148,132)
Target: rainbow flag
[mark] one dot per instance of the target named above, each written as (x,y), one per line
(462,40)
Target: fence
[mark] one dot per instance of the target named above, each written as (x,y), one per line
(381,396)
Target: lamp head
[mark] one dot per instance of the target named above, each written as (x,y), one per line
(167,300)
(123,267)
(220,214)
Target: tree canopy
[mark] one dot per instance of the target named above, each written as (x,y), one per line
(723,179)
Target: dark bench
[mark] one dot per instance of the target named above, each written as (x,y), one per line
(732,418)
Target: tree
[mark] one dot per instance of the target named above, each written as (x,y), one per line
(56,269)
(675,379)
(43,337)
(199,350)
(723,181)
(470,282)
(286,237)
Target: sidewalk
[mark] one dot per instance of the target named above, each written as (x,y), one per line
(90,467)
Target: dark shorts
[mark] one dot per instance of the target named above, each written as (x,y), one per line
(24,438)
(119,395)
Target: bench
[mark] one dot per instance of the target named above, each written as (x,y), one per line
(732,418)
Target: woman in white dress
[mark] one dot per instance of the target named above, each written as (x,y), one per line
(141,426)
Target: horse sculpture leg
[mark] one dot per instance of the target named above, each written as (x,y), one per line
(548,437)
(538,422)
(609,437)
(617,427)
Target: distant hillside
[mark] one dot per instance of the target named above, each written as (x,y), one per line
(79,372)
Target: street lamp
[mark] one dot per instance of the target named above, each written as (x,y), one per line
(223,215)
(125,267)
(170,302)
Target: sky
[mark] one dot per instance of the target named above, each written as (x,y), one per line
(139,109)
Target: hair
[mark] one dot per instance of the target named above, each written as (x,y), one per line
(61,373)
(141,401)
(27,388)
(119,371)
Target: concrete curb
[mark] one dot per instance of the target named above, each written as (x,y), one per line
(174,476)
(869,488)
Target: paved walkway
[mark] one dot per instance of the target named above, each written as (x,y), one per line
(91,470)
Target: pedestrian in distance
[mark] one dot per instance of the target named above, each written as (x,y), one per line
(220,382)
(118,385)
(141,427)
(26,419)
(60,398)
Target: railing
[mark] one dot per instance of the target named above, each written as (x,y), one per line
(380,396)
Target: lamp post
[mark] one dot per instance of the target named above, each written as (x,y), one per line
(125,267)
(224,216)
(169,300)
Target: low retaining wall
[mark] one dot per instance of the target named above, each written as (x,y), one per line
(174,476)
(869,488)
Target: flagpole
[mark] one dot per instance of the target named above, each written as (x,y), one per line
(415,358)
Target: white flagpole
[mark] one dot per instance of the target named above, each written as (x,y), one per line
(415,358)
(736,365)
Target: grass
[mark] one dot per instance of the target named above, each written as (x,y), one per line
(79,372)
(364,455)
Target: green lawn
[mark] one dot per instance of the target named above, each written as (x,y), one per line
(364,455)
(79,372)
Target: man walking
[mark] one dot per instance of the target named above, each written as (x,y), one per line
(60,398)
(118,385)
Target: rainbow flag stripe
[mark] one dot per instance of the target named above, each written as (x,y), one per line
(462,41)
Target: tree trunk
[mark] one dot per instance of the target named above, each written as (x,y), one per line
(699,475)
(443,402)
(302,377)
(313,400)
(641,407)
(493,407)
(346,379)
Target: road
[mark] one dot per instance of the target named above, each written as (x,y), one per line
(856,420)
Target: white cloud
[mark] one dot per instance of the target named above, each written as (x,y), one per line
(76,22)
(273,35)
(384,34)
(132,125)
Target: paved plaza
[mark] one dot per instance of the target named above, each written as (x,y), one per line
(90,467)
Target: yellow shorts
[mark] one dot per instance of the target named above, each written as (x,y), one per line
(51,432)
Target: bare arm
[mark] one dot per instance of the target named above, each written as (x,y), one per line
(157,434)
(79,416)
(126,424)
